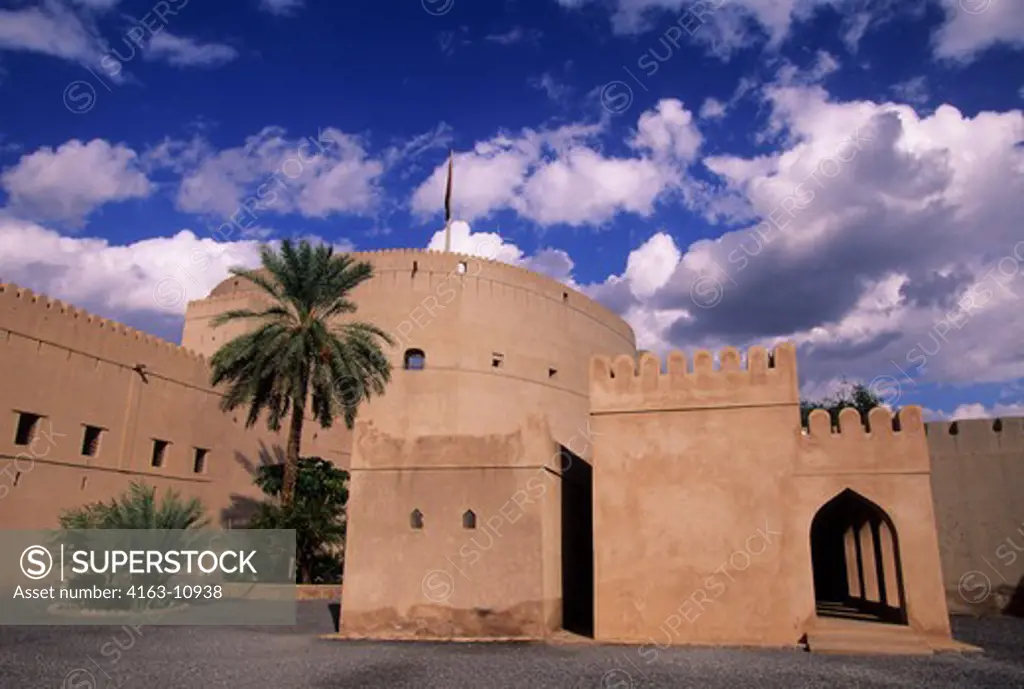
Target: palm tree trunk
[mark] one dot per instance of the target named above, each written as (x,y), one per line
(291,458)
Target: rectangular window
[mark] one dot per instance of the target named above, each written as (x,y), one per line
(497,360)
(27,425)
(91,441)
(199,461)
(159,452)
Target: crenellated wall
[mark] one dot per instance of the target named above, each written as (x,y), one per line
(689,470)
(705,490)
(624,384)
(977,478)
(894,444)
(886,464)
(77,370)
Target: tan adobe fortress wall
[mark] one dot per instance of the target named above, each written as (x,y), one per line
(705,488)
(74,370)
(499,576)
(977,478)
(464,313)
(888,464)
(461,434)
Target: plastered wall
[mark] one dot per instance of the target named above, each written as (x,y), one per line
(705,490)
(74,370)
(887,465)
(977,478)
(465,313)
(496,577)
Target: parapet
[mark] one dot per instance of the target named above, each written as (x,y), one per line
(892,443)
(977,436)
(53,322)
(398,268)
(626,384)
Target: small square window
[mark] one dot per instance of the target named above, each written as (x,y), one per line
(497,360)
(415,360)
(27,424)
(91,441)
(461,269)
(159,453)
(199,461)
(565,297)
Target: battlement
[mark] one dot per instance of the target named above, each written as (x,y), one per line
(626,383)
(881,423)
(891,443)
(977,436)
(57,323)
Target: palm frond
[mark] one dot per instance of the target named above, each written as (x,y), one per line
(299,351)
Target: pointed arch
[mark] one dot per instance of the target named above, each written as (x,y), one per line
(416,519)
(469,519)
(855,560)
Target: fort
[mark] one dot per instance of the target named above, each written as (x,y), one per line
(528,470)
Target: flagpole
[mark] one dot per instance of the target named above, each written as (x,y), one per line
(448,203)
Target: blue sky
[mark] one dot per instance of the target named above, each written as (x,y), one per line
(845,174)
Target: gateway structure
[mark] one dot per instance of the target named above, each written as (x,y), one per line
(529,471)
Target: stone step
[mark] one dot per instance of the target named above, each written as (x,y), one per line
(854,637)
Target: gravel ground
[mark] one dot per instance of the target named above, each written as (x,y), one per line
(294,658)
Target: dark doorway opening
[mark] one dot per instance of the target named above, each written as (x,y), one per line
(856,559)
(577,545)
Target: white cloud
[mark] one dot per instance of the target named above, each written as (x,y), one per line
(854,28)
(554,263)
(146,284)
(554,89)
(712,109)
(69,32)
(891,251)
(824,64)
(51,29)
(725,26)
(972,26)
(69,182)
(977,410)
(155,276)
(100,5)
(913,90)
(559,176)
(732,21)
(181,51)
(322,174)
(281,7)
(515,35)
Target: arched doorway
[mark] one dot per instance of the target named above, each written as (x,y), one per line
(856,560)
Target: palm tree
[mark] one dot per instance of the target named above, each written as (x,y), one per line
(138,508)
(299,352)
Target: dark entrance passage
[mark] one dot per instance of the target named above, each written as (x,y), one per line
(856,559)
(577,545)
